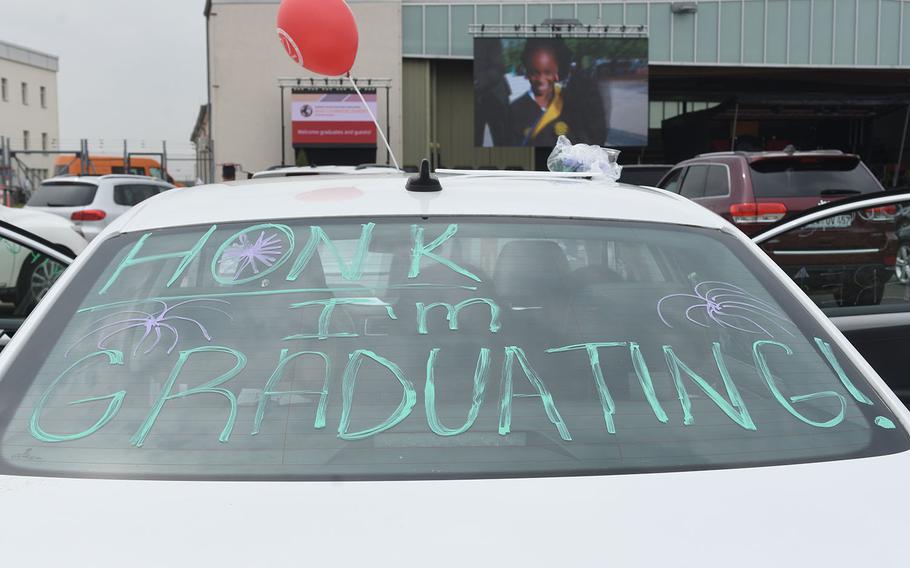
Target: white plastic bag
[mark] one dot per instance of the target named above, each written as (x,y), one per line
(568,157)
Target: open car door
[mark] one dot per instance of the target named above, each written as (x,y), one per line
(29,266)
(852,257)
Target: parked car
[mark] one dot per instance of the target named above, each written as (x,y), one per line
(93,202)
(644,174)
(880,332)
(25,277)
(755,189)
(472,360)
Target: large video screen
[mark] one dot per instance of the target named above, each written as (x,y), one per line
(332,116)
(529,91)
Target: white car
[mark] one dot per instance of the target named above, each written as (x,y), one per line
(93,202)
(25,277)
(510,371)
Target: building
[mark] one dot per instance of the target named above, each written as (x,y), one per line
(28,109)
(744,74)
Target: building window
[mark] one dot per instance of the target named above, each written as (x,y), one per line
(4,91)
(43,97)
(25,140)
(24,93)
(44,140)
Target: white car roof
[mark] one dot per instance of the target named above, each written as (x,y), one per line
(323,170)
(385,195)
(95,178)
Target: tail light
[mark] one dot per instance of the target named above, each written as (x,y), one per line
(745,213)
(88,215)
(886,213)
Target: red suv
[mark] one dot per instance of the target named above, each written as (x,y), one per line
(850,256)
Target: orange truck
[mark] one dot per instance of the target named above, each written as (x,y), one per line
(105,165)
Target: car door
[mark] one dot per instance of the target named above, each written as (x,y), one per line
(852,258)
(29,266)
(671,181)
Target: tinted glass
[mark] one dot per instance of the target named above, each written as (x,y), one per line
(811,176)
(415,347)
(718,181)
(133,194)
(671,182)
(642,175)
(25,277)
(693,184)
(63,195)
(853,262)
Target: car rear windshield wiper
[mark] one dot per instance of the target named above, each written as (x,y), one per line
(840,192)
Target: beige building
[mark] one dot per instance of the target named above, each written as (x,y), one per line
(246,61)
(28,107)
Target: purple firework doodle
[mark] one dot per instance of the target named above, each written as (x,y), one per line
(151,323)
(727,305)
(245,254)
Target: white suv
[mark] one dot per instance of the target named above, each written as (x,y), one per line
(92,202)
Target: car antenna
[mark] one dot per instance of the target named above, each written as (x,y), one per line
(423,181)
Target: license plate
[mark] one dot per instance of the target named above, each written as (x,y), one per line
(835,222)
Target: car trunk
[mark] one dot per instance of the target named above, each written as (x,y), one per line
(63,198)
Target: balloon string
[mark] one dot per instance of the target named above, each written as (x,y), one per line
(376,122)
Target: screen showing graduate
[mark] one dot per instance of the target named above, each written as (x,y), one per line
(529,91)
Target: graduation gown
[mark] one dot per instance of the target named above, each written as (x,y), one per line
(529,125)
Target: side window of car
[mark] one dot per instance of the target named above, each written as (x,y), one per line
(133,194)
(25,277)
(671,182)
(718,181)
(694,183)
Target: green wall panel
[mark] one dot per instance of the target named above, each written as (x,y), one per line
(488,14)
(867,32)
(537,13)
(412,29)
(706,46)
(437,23)
(889,33)
(462,41)
(776,38)
(800,26)
(759,32)
(683,37)
(753,31)
(844,32)
(822,32)
(588,13)
(513,14)
(731,14)
(659,32)
(636,13)
(563,11)
(611,13)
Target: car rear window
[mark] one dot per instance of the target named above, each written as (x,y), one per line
(133,194)
(400,348)
(811,176)
(63,195)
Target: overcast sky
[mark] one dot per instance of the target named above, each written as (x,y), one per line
(128,69)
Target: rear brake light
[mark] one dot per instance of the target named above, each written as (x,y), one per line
(745,213)
(88,215)
(886,213)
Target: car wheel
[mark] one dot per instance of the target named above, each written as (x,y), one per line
(902,264)
(35,279)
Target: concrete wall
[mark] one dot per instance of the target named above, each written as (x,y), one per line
(16,117)
(246,61)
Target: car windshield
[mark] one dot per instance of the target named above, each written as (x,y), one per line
(812,176)
(396,348)
(63,195)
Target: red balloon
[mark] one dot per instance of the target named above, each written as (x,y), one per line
(320,35)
